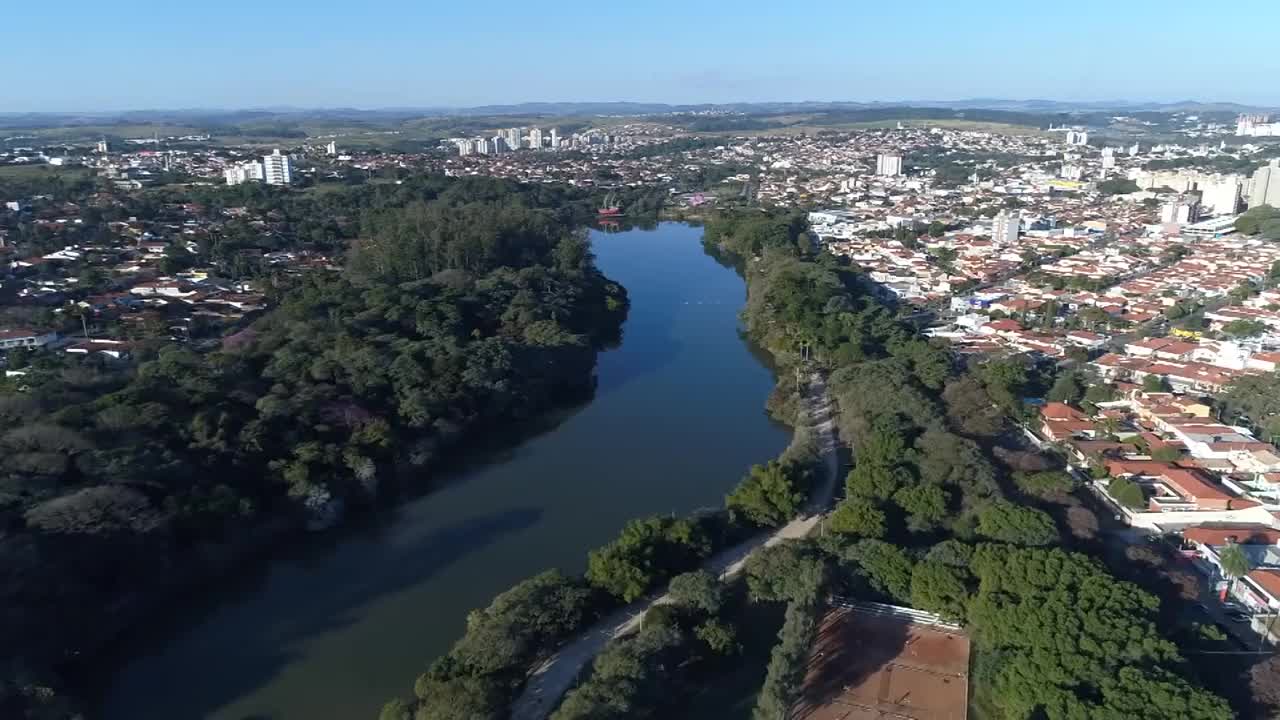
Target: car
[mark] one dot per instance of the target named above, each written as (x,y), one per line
(1239,616)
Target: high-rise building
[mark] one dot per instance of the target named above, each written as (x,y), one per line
(331,148)
(1266,185)
(103,148)
(277,168)
(1181,211)
(1005,227)
(1220,194)
(1108,158)
(535,138)
(514,137)
(1077,137)
(888,164)
(555,138)
(1257,126)
(251,171)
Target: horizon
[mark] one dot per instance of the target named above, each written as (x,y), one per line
(957,103)
(402,55)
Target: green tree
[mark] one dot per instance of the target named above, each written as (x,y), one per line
(1050,483)
(940,589)
(1127,493)
(647,551)
(787,571)
(1066,389)
(396,710)
(719,636)
(1244,328)
(533,614)
(1155,384)
(859,517)
(925,505)
(770,494)
(698,590)
(1252,221)
(1066,640)
(786,671)
(1235,564)
(886,567)
(1118,186)
(1006,522)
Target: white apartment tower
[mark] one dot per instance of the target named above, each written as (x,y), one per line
(277,168)
(1220,195)
(1005,226)
(1182,212)
(1266,185)
(251,171)
(1257,126)
(535,138)
(331,148)
(555,138)
(888,165)
(1077,137)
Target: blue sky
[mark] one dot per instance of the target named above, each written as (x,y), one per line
(132,54)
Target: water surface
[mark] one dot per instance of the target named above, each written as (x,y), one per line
(333,630)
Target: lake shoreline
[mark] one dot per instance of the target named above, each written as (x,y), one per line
(493,525)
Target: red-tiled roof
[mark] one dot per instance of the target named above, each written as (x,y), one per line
(1060,411)
(1268,580)
(1243,534)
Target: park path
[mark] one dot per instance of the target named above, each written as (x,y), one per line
(552,678)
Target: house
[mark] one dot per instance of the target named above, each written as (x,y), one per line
(1218,535)
(114,349)
(1085,339)
(23,338)
(1174,488)
(1260,590)
(1264,361)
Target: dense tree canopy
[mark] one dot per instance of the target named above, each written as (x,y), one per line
(1070,642)
(466,305)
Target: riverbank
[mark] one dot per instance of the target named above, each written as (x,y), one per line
(549,681)
(285,641)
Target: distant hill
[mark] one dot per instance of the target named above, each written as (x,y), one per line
(222,118)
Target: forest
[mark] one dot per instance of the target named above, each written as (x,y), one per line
(941,511)
(464,306)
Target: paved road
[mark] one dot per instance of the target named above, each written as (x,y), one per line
(551,679)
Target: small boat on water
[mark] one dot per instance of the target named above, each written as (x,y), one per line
(610,209)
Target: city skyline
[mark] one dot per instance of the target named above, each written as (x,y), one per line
(322,55)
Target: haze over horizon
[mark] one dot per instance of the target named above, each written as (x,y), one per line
(402,55)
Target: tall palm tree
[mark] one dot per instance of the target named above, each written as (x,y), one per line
(1235,564)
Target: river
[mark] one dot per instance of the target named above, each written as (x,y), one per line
(332,630)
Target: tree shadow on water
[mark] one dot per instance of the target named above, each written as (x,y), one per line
(242,645)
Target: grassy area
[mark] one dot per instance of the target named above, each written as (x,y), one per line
(93,133)
(731,694)
(41,171)
(802,127)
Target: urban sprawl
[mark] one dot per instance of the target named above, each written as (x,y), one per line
(1124,260)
